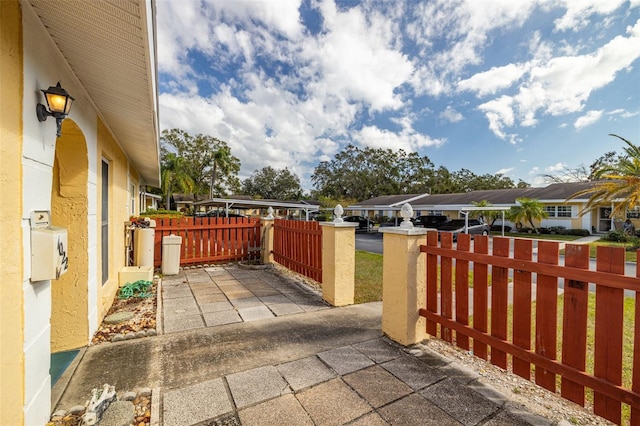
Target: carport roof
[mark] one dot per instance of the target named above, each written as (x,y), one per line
(250,203)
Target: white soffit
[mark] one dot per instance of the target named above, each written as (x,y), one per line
(110,47)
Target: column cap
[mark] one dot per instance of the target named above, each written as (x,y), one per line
(403,231)
(339,225)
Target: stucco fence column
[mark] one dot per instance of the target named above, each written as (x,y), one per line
(338,262)
(404,284)
(266,239)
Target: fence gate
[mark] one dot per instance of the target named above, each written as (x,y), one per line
(297,245)
(210,239)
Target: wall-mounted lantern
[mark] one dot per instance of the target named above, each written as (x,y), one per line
(58,104)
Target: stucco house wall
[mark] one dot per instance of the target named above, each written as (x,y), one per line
(39,171)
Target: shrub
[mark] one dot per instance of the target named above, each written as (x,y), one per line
(557,229)
(151,213)
(525,230)
(543,230)
(634,244)
(498,228)
(616,236)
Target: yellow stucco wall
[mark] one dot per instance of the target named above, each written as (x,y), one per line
(118,213)
(338,263)
(11,269)
(404,287)
(69,209)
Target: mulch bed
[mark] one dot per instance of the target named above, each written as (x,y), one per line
(144,316)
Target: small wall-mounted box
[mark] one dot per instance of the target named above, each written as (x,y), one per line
(49,248)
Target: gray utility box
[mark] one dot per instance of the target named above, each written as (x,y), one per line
(171,247)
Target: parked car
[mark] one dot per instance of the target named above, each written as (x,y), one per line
(457,226)
(360,220)
(431,221)
(221,213)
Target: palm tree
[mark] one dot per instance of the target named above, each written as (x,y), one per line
(174,177)
(223,162)
(486,215)
(528,209)
(620,183)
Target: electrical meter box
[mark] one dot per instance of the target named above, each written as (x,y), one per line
(49,250)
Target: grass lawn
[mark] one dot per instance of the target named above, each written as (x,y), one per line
(368,277)
(554,237)
(630,256)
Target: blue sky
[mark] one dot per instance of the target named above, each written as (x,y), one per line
(521,88)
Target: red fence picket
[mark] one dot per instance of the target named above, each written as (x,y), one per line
(297,245)
(510,269)
(210,239)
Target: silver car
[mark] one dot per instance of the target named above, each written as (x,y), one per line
(457,226)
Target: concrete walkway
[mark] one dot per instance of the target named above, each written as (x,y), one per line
(257,348)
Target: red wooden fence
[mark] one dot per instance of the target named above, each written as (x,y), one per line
(297,245)
(210,239)
(490,314)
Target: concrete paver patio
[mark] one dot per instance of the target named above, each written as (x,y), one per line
(257,348)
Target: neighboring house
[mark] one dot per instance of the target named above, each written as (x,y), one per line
(149,201)
(554,196)
(89,178)
(182,202)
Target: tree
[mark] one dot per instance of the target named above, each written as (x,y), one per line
(620,184)
(223,162)
(272,183)
(567,174)
(174,177)
(362,173)
(201,155)
(528,209)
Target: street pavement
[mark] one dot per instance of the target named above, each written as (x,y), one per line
(273,353)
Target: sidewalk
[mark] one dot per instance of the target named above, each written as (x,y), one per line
(272,353)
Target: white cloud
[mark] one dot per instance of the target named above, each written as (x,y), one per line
(555,167)
(467,26)
(499,112)
(562,85)
(579,12)
(505,171)
(356,58)
(497,78)
(408,139)
(588,119)
(451,115)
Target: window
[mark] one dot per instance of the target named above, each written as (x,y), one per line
(104,217)
(132,200)
(633,213)
(564,211)
(558,211)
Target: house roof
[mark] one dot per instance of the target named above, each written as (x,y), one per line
(557,192)
(110,47)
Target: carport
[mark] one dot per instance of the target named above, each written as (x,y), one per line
(249,203)
(465,211)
